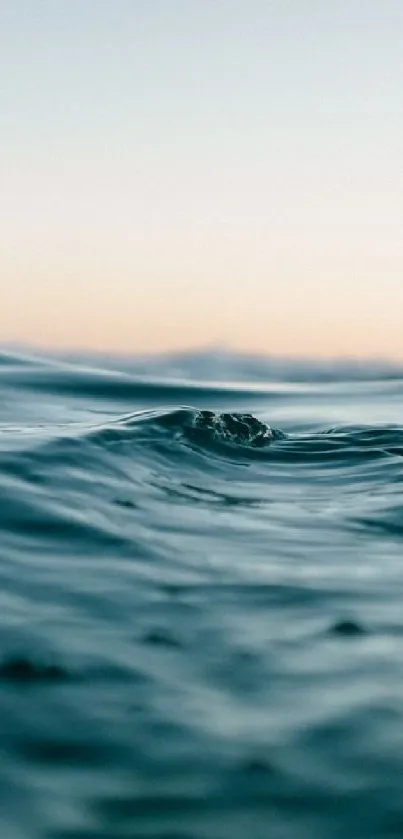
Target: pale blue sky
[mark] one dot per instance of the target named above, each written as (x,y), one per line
(188,172)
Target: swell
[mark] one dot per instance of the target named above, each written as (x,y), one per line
(86,385)
(204,365)
(186,430)
(246,431)
(122,387)
(12,359)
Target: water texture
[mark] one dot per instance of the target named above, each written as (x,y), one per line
(201,600)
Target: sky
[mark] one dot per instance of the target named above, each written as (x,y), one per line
(188,173)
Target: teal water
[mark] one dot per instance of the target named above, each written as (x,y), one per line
(201,600)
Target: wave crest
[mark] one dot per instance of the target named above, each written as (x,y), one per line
(237,429)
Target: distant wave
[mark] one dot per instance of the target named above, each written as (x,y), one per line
(87,383)
(214,366)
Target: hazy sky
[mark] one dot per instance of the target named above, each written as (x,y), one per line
(176,173)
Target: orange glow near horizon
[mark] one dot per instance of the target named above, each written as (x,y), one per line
(161,193)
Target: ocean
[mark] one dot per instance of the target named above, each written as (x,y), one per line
(201,599)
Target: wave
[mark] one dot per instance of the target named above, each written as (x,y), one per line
(176,431)
(214,365)
(109,385)
(236,429)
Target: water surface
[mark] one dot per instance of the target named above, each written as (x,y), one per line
(201,631)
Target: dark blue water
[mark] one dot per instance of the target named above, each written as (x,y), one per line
(201,602)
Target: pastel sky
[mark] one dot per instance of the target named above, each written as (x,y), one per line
(178,173)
